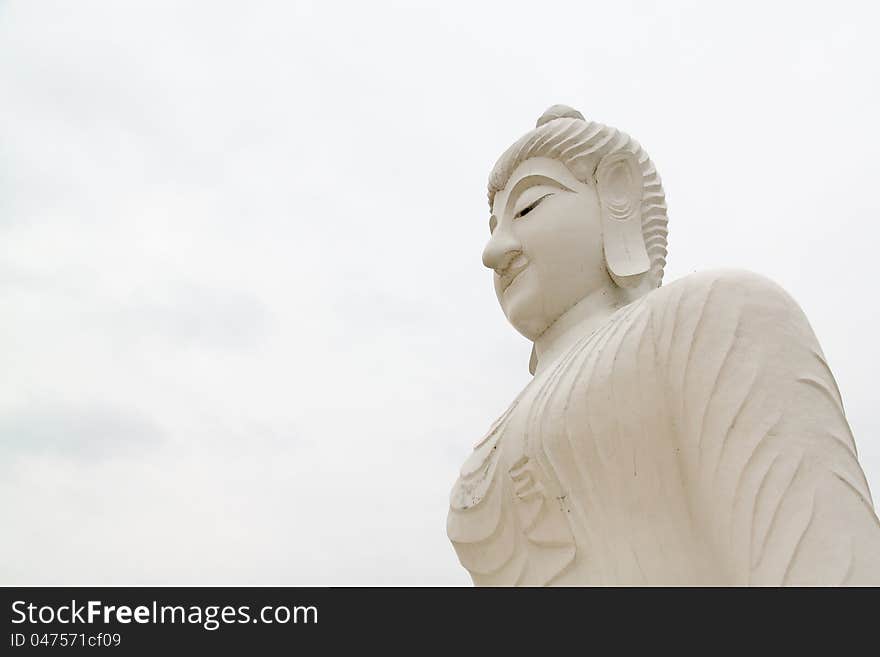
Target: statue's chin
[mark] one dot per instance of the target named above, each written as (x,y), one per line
(526,318)
(523,304)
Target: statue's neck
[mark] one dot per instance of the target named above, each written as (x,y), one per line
(580,320)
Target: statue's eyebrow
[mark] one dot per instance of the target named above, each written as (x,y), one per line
(530,181)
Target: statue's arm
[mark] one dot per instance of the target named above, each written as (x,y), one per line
(768,457)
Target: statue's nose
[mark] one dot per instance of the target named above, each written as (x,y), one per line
(501,249)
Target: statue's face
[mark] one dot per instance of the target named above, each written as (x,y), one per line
(546,244)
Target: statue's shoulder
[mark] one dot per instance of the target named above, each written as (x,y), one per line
(719,302)
(753,295)
(724,280)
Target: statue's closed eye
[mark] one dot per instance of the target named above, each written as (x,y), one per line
(531,206)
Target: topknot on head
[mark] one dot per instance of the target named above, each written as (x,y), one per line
(558,112)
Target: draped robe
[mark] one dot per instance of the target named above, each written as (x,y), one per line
(698,437)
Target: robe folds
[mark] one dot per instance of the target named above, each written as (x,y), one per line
(698,437)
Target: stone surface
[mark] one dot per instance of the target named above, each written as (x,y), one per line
(684,434)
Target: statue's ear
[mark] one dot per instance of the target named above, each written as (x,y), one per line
(619,186)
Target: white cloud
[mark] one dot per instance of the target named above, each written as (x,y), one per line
(86,433)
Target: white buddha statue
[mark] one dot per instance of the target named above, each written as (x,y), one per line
(685,434)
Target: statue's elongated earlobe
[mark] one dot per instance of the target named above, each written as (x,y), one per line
(619,186)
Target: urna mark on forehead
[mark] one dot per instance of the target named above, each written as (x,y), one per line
(534,172)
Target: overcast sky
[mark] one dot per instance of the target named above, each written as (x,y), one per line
(246,333)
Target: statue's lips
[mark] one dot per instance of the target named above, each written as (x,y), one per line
(512,272)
